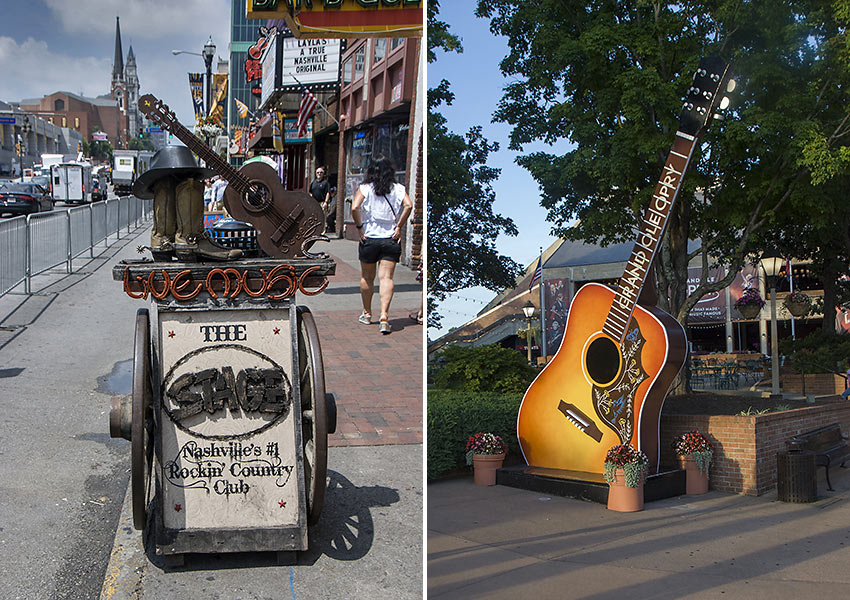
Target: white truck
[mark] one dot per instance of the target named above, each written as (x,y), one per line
(71,182)
(127,166)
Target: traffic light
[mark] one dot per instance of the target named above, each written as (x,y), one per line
(141,133)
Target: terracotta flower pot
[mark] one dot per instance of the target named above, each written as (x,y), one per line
(696,482)
(749,311)
(485,465)
(798,309)
(622,498)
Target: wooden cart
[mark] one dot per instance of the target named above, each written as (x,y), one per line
(229,416)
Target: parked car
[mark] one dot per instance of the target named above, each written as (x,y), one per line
(24,199)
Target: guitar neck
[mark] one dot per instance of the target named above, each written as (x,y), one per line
(208,155)
(651,231)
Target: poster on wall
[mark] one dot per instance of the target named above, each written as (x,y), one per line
(748,278)
(290,132)
(556,299)
(711,308)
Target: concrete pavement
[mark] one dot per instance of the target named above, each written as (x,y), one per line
(500,542)
(368,542)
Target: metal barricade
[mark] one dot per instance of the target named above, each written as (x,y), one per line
(80,229)
(48,241)
(33,244)
(13,256)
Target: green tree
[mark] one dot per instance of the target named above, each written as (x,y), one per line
(609,78)
(462,227)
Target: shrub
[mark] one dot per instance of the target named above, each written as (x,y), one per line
(819,352)
(454,416)
(482,369)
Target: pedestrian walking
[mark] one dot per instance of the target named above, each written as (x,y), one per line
(380,208)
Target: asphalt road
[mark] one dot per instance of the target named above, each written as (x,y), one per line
(62,479)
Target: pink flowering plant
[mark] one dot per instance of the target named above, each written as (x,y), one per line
(750,296)
(695,444)
(484,443)
(632,461)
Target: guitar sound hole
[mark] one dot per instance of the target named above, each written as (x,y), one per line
(603,360)
(256,199)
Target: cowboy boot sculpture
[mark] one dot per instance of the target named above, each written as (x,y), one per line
(174,183)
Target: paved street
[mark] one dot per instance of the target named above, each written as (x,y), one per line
(66,350)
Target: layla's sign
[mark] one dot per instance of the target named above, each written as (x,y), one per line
(343,18)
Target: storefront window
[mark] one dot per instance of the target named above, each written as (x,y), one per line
(391,141)
(380,49)
(395,43)
(346,72)
(359,62)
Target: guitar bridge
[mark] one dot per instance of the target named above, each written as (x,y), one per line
(582,422)
(286,224)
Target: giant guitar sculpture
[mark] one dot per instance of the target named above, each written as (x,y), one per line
(617,359)
(287,222)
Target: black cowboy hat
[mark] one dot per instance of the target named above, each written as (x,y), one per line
(170,160)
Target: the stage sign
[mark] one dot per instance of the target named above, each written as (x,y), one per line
(343,18)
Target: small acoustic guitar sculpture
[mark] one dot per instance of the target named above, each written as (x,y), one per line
(617,360)
(286,221)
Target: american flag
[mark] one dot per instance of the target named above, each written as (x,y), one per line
(308,103)
(538,273)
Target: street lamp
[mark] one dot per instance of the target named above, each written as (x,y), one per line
(771,262)
(26,128)
(207,54)
(528,311)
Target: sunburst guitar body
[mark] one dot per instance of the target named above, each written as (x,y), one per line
(607,383)
(597,392)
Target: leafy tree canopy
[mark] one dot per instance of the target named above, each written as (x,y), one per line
(609,77)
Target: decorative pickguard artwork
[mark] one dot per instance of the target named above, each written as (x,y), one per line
(615,403)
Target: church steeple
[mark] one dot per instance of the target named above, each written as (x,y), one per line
(118,60)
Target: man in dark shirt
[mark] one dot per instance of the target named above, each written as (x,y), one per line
(321,192)
(319,189)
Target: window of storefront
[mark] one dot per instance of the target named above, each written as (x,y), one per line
(380,49)
(395,43)
(358,153)
(390,140)
(359,62)
(347,72)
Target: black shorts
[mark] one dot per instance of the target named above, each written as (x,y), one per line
(372,250)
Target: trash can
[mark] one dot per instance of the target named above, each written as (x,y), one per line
(796,477)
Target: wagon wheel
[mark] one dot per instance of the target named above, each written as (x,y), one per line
(141,438)
(314,417)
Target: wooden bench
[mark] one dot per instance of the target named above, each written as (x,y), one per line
(827,443)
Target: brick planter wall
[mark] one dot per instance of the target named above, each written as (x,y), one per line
(745,447)
(819,384)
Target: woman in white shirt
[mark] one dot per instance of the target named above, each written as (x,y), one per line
(380,208)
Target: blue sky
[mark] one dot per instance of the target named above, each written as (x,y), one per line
(477,84)
(62,45)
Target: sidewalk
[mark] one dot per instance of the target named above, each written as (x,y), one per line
(499,542)
(377,378)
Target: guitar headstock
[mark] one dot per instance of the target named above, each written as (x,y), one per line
(157,111)
(707,97)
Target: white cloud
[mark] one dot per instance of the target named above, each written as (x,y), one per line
(31,70)
(146,19)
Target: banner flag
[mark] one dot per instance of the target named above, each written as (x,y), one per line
(196,87)
(219,95)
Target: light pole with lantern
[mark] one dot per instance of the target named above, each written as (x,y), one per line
(26,128)
(208,53)
(771,261)
(528,311)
